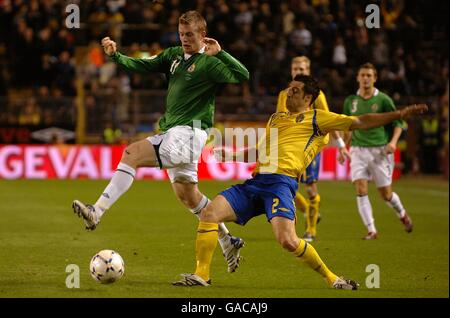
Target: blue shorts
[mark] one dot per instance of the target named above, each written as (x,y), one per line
(311,174)
(272,194)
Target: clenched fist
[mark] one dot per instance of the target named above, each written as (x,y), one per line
(109,46)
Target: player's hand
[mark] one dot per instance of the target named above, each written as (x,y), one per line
(416,109)
(390,148)
(343,155)
(212,46)
(109,46)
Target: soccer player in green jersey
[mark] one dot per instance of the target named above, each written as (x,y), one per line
(372,150)
(193,70)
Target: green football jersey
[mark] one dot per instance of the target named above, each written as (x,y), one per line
(355,105)
(192,82)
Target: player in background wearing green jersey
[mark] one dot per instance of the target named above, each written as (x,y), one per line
(372,150)
(193,70)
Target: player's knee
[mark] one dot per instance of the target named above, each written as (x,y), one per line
(386,196)
(207,215)
(288,243)
(188,198)
(311,191)
(361,190)
(129,155)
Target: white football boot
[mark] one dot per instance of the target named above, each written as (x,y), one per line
(190,280)
(231,247)
(88,213)
(342,283)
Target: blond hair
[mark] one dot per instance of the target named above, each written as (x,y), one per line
(193,18)
(302,59)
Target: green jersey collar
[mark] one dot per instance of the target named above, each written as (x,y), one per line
(375,92)
(187,56)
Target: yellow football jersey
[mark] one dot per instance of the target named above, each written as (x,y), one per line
(296,139)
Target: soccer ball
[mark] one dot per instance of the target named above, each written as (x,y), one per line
(107,266)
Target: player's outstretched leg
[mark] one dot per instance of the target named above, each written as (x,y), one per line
(138,154)
(119,184)
(284,230)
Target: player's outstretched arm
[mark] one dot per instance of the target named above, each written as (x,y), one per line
(248,155)
(230,70)
(138,65)
(376,120)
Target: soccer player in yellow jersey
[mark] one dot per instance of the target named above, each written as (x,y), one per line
(301,65)
(301,134)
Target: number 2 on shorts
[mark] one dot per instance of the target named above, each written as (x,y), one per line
(276,201)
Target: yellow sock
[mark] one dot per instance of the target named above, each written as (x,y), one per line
(315,201)
(307,254)
(302,203)
(312,214)
(207,234)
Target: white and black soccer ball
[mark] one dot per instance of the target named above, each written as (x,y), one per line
(107,266)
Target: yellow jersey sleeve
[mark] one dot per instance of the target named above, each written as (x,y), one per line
(329,121)
(281,104)
(320,102)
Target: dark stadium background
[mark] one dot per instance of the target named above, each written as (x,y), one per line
(45,66)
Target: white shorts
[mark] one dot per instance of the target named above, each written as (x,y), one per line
(372,163)
(178,150)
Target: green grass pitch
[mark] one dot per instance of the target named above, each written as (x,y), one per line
(40,236)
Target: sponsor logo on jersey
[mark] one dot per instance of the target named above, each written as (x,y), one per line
(191,68)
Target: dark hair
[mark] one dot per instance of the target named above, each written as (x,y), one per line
(311,86)
(370,67)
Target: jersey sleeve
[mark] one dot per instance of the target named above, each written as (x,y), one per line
(157,63)
(389,106)
(321,102)
(281,103)
(226,69)
(329,121)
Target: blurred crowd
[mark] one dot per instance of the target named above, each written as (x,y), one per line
(39,55)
